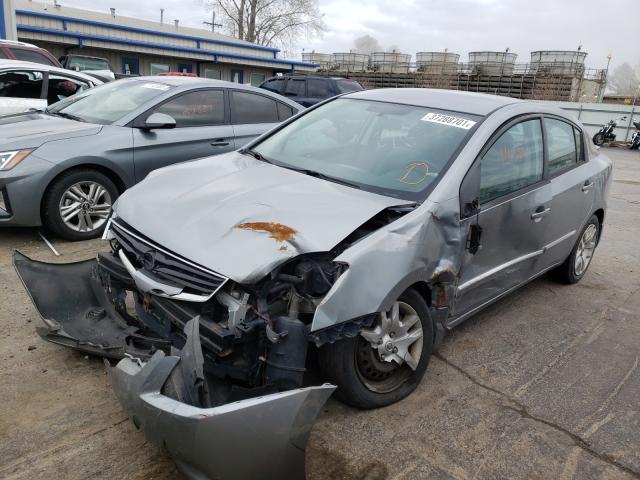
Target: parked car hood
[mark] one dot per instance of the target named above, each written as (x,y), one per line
(242,217)
(31,130)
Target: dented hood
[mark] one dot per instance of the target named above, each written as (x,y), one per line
(242,217)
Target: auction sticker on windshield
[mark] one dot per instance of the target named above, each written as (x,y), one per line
(156,86)
(449,120)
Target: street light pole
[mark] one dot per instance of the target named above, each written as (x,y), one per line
(606,78)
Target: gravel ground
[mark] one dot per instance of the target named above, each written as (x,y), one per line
(543,384)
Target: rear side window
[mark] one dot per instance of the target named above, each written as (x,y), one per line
(274,85)
(513,162)
(60,87)
(295,88)
(561,143)
(284,111)
(21,84)
(249,107)
(31,56)
(317,87)
(196,109)
(346,86)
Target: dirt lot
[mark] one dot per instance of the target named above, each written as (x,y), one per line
(544,384)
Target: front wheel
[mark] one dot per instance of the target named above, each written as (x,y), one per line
(386,362)
(78,204)
(598,139)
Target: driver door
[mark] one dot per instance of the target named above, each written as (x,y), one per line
(514,200)
(202,129)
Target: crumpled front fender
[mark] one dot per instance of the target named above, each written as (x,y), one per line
(262,437)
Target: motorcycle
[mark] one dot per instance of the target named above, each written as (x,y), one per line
(605,134)
(635,137)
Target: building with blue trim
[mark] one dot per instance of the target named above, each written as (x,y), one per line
(145,47)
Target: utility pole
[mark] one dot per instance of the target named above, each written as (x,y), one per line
(606,78)
(213,21)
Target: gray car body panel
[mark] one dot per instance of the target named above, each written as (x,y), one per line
(272,430)
(238,189)
(60,144)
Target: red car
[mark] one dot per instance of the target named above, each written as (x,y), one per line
(27,53)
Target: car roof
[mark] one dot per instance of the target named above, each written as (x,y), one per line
(6,63)
(187,83)
(16,43)
(467,102)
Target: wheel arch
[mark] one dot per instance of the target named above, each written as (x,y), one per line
(599,213)
(109,173)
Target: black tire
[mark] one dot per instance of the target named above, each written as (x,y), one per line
(338,363)
(598,139)
(566,273)
(635,146)
(51,216)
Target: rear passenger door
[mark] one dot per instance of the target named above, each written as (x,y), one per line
(21,90)
(572,187)
(253,114)
(202,129)
(514,201)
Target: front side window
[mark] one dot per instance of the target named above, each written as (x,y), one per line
(251,108)
(60,87)
(513,162)
(110,102)
(387,148)
(295,88)
(196,109)
(274,85)
(561,142)
(318,88)
(21,84)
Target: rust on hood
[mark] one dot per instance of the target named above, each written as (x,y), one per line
(277,231)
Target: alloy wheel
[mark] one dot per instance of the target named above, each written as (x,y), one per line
(585,250)
(85,206)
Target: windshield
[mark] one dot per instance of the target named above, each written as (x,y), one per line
(88,63)
(110,102)
(396,150)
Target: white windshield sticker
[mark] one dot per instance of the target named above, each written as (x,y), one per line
(449,120)
(156,86)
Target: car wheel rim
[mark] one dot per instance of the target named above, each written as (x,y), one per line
(586,247)
(391,349)
(85,206)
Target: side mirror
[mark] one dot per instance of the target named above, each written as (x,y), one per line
(159,120)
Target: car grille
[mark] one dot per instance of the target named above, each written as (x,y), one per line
(163,265)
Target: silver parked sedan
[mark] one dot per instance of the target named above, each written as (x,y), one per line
(66,165)
(364,228)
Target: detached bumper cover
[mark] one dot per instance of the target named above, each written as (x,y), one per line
(263,437)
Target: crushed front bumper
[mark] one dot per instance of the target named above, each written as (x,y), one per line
(263,437)
(259,437)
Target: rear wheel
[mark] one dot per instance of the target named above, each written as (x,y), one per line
(386,362)
(598,139)
(78,204)
(576,265)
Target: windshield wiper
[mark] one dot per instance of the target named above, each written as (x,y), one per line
(323,176)
(256,155)
(65,115)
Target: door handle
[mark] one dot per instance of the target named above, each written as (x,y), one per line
(220,142)
(539,213)
(587,186)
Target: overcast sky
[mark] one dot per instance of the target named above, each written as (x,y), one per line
(433,25)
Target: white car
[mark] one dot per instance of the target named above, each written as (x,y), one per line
(26,85)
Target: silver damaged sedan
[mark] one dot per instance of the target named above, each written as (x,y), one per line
(359,231)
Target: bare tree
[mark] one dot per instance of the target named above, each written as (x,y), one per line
(624,80)
(366,44)
(270,22)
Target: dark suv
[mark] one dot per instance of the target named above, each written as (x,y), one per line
(310,89)
(27,53)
